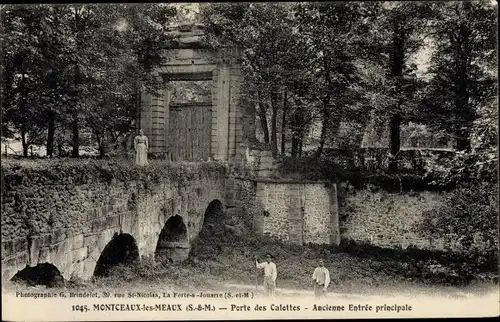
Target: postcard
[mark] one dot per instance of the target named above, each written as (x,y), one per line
(286,160)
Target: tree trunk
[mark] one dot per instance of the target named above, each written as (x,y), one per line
(300,146)
(100,146)
(463,144)
(50,133)
(396,64)
(274,124)
(24,142)
(464,112)
(263,122)
(395,142)
(125,145)
(76,137)
(23,130)
(295,146)
(297,123)
(79,27)
(321,140)
(324,127)
(463,139)
(326,106)
(283,123)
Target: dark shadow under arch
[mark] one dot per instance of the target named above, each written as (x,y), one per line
(173,242)
(122,249)
(213,219)
(42,274)
(214,214)
(207,245)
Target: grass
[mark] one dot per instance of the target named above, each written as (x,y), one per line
(218,260)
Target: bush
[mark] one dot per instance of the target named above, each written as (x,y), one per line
(344,168)
(81,170)
(468,219)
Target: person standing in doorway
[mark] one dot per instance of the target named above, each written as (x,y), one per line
(141,149)
(270,274)
(321,278)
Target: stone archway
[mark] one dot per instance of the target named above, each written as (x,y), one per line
(42,274)
(209,129)
(207,245)
(213,219)
(173,243)
(122,249)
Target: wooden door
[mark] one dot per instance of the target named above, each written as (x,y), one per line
(190,134)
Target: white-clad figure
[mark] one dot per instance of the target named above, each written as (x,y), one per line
(141,149)
(270,274)
(321,278)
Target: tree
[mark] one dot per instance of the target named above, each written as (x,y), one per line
(463,66)
(62,62)
(401,32)
(29,101)
(271,55)
(299,61)
(133,38)
(337,34)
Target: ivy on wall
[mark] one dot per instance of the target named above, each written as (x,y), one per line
(75,172)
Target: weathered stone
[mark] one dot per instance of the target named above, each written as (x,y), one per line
(59,235)
(7,248)
(44,255)
(20,245)
(284,218)
(112,222)
(22,260)
(62,236)
(78,241)
(79,254)
(390,220)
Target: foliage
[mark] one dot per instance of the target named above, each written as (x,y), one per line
(401,35)
(78,171)
(463,65)
(300,61)
(272,53)
(363,167)
(79,66)
(480,163)
(338,35)
(358,60)
(175,274)
(468,219)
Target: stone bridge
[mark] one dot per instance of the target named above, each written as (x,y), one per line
(82,223)
(78,220)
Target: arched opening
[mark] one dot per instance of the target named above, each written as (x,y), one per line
(213,220)
(122,249)
(173,243)
(212,234)
(42,274)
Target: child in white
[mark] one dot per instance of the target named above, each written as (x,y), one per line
(321,278)
(270,274)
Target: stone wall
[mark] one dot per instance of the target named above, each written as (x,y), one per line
(318,225)
(388,219)
(277,209)
(66,214)
(298,212)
